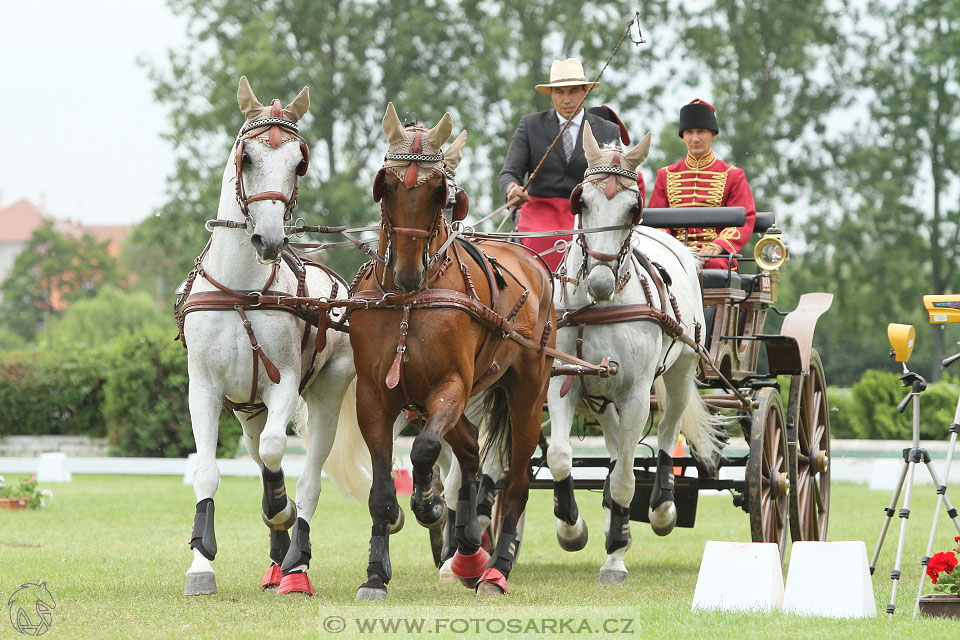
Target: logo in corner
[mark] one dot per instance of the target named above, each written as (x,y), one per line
(29,608)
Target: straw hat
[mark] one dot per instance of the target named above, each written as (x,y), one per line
(566,73)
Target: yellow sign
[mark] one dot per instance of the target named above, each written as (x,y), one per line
(943,309)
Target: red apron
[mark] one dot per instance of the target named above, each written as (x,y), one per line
(546,214)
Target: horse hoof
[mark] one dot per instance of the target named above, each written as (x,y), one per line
(431,515)
(369,593)
(446,572)
(609,576)
(272,577)
(576,543)
(663,523)
(296,583)
(469,583)
(489,589)
(492,583)
(470,566)
(398,525)
(200,584)
(284,519)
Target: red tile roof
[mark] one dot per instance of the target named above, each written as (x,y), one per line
(19,220)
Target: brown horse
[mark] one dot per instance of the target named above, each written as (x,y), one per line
(446,322)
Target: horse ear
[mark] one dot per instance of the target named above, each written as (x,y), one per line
(300,104)
(378,185)
(249,105)
(461,205)
(633,158)
(576,200)
(453,154)
(392,126)
(439,134)
(590,147)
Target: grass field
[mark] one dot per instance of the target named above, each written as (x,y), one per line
(113,552)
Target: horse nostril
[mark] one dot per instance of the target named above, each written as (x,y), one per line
(257,241)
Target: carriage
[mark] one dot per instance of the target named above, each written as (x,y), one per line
(786,468)
(491,332)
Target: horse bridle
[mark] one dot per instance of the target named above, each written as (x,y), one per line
(410,180)
(611,188)
(251,130)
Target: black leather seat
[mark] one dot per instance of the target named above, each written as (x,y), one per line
(720,278)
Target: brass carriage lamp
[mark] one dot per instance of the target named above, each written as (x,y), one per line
(770,253)
(901,337)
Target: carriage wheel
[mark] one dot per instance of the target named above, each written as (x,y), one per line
(496,521)
(766,473)
(810,467)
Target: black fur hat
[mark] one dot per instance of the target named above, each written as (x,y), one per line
(698,115)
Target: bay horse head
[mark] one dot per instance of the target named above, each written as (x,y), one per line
(267,167)
(412,190)
(609,196)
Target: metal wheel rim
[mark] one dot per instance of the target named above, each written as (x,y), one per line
(812,487)
(768,459)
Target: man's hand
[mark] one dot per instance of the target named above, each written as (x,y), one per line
(711,249)
(516,191)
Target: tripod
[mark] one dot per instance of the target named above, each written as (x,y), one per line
(941,494)
(911,457)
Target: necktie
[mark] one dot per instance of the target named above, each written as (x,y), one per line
(568,142)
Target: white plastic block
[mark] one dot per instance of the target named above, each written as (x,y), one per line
(739,576)
(52,467)
(189,468)
(830,579)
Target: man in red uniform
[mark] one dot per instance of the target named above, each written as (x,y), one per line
(546,204)
(701,180)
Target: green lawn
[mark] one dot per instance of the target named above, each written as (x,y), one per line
(113,552)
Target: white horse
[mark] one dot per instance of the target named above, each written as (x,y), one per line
(606,276)
(246,347)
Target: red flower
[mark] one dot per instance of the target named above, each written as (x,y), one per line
(943,562)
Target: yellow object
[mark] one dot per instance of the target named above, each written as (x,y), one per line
(770,252)
(943,309)
(901,337)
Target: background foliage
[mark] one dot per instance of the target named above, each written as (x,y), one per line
(842,115)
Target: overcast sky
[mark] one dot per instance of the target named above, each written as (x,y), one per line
(80,127)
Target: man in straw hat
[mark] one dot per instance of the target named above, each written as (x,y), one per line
(546,201)
(702,180)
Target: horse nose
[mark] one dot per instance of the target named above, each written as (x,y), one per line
(407,280)
(268,250)
(601,283)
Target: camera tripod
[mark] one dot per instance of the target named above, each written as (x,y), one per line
(911,457)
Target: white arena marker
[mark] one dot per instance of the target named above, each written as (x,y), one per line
(739,576)
(830,579)
(52,467)
(190,468)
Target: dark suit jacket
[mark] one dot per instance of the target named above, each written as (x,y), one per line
(559,174)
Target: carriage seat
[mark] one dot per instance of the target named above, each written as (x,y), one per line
(721,279)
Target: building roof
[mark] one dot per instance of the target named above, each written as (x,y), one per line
(19,220)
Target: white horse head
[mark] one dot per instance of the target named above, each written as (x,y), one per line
(608,197)
(265,167)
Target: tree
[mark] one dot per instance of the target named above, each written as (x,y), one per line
(101,319)
(50,272)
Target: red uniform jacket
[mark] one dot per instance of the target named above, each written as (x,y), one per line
(708,182)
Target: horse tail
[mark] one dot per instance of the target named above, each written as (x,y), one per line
(349,461)
(705,431)
(495,415)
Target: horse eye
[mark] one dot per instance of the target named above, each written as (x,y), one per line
(246,157)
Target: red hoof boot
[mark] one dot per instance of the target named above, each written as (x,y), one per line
(486,543)
(272,577)
(470,566)
(296,583)
(492,582)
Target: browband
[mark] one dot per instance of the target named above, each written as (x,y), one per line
(620,171)
(269,122)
